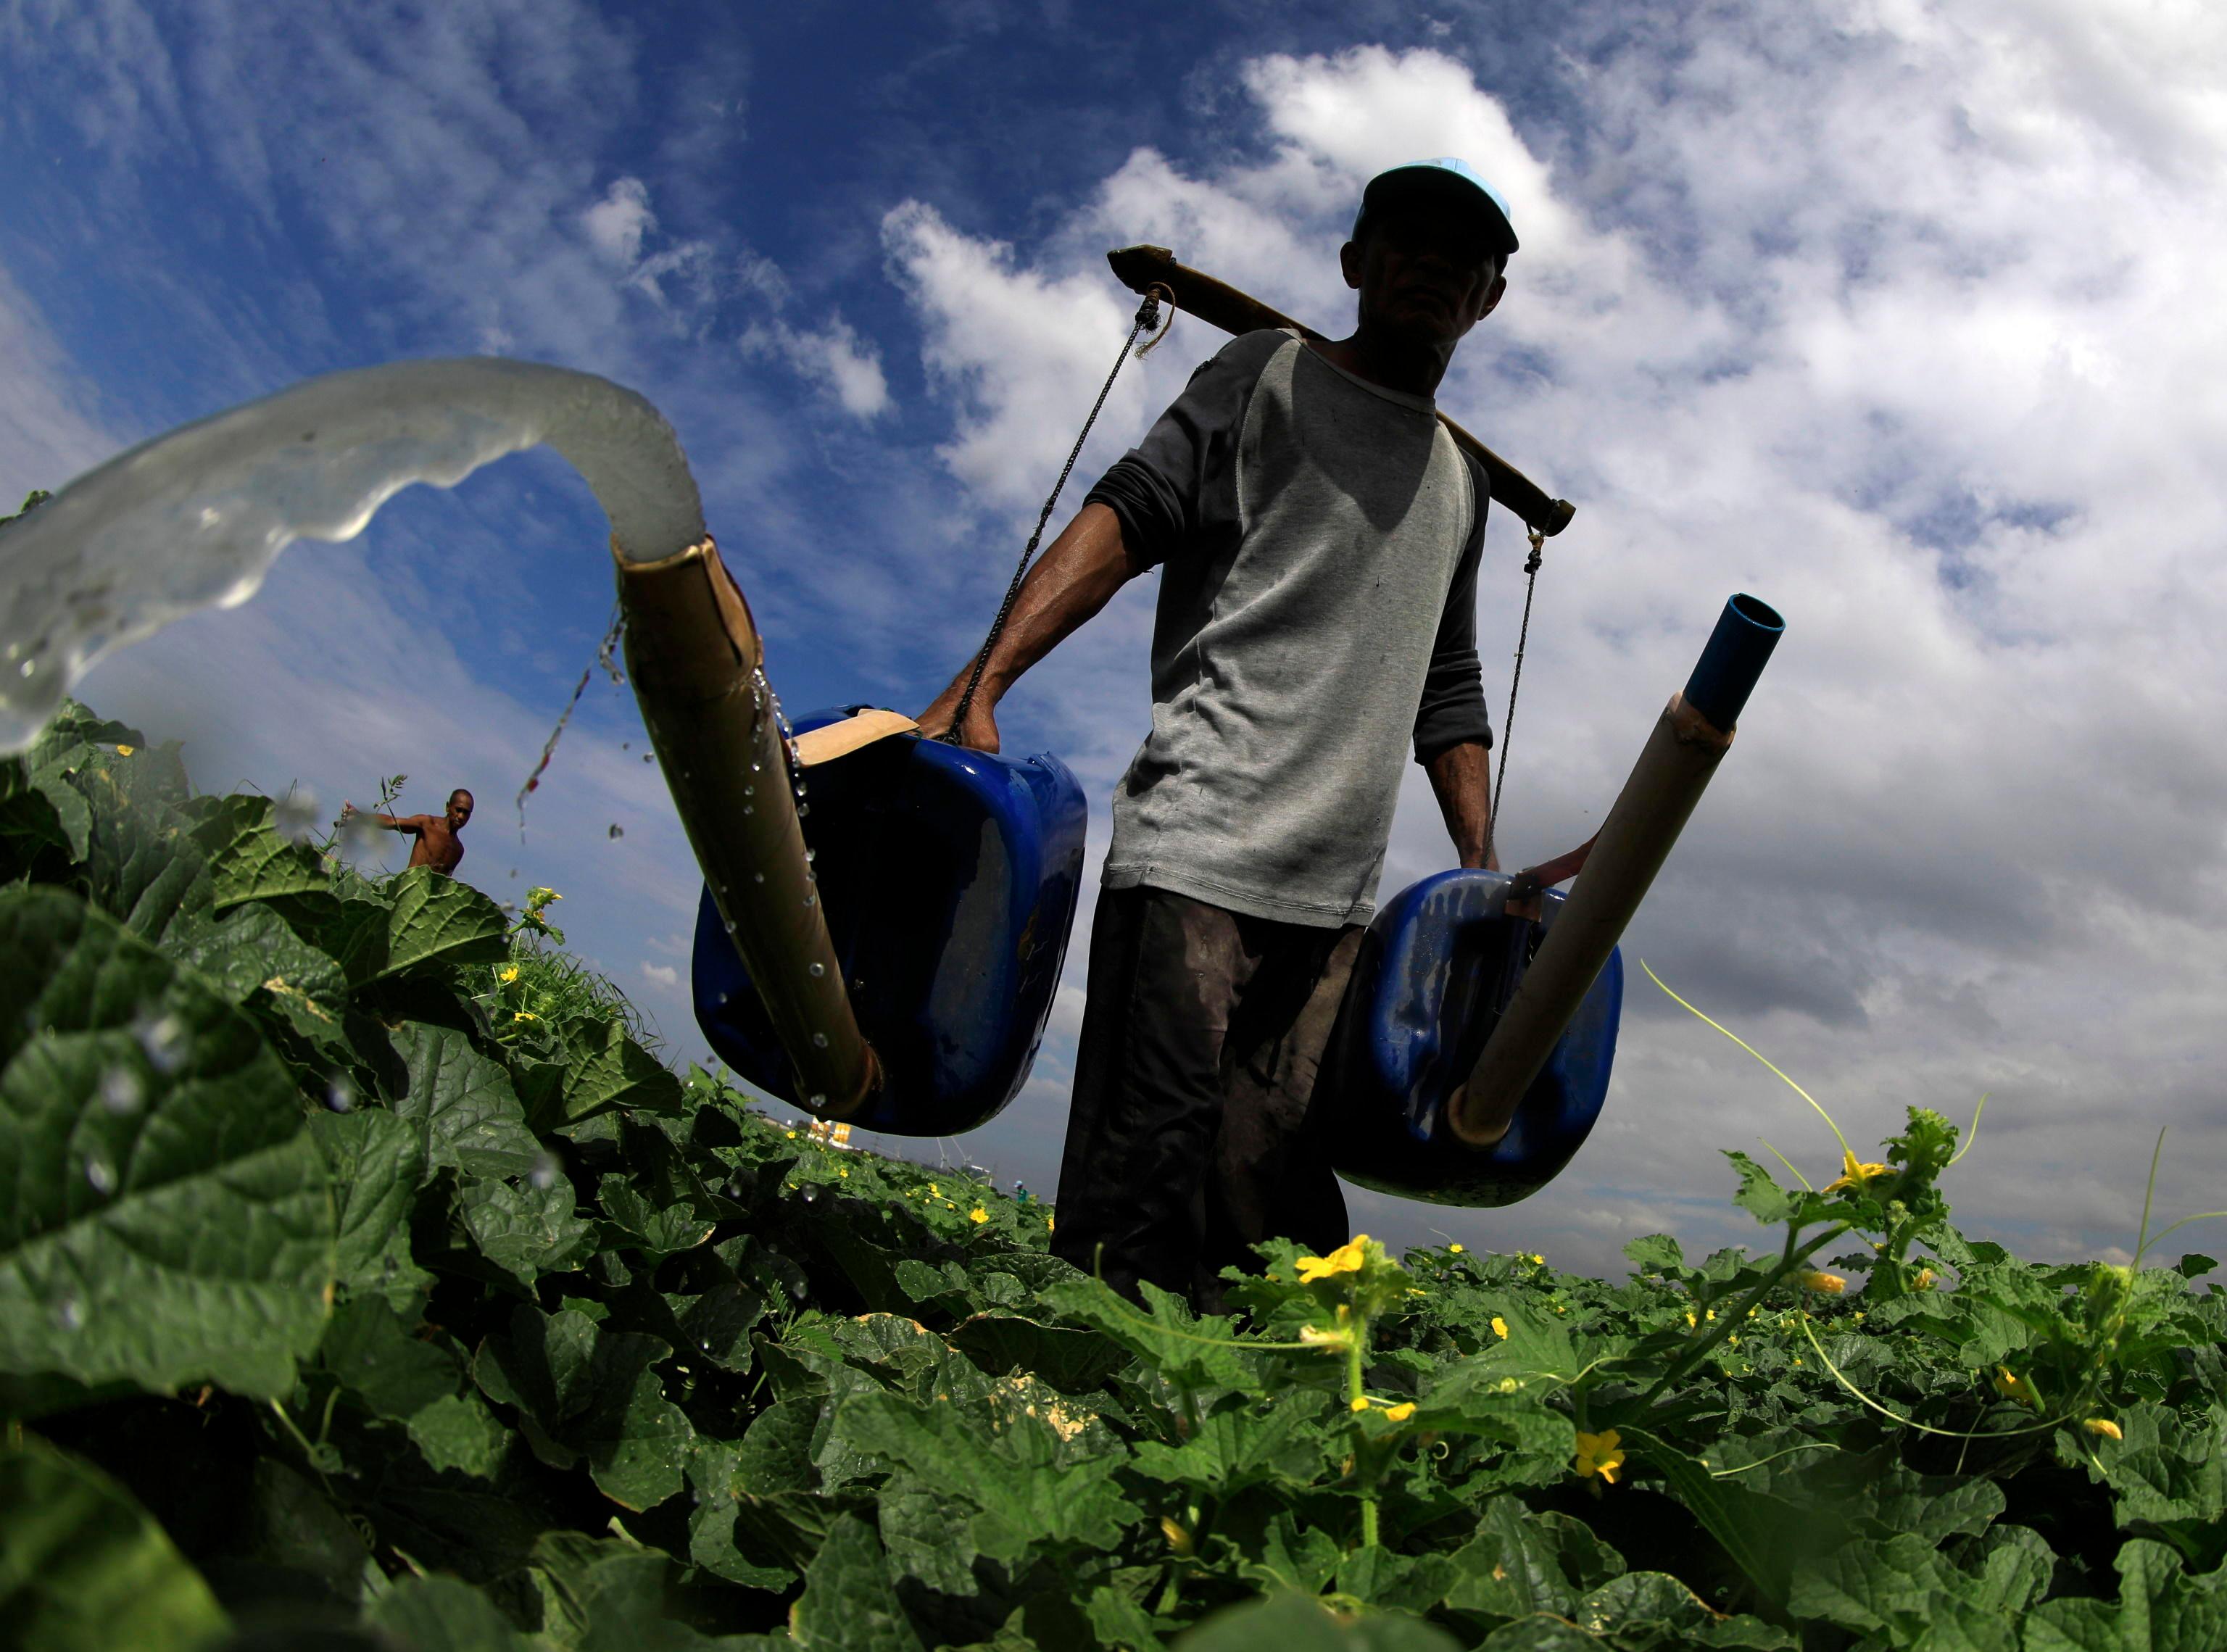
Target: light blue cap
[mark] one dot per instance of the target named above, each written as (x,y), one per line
(1452,179)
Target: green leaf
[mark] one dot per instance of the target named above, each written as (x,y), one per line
(170,1220)
(1519,1563)
(461,1105)
(444,1615)
(1241,1444)
(377,1164)
(249,861)
(1191,1352)
(1071,1360)
(639,1225)
(1758,1193)
(433,919)
(255,950)
(84,1568)
(1656,1252)
(608,1070)
(2160,1609)
(1764,1535)
(528,1227)
(849,1604)
(1293,1623)
(1026,1487)
(592,1392)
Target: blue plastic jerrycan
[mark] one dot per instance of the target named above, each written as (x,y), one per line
(1439,965)
(949,879)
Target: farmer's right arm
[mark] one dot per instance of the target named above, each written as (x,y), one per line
(1174,493)
(1073,580)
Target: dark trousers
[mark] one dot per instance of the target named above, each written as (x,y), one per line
(1188,1138)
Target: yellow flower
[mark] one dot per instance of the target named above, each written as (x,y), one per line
(1359,1404)
(1600,1454)
(1315,1337)
(528,1015)
(1752,1312)
(842,1172)
(1926,1279)
(125,751)
(1853,1175)
(1829,1285)
(1692,1321)
(1346,1258)
(791,1134)
(1711,1314)
(1733,1339)
(977,1213)
(1500,1328)
(1178,1539)
(1538,1260)
(2104,1426)
(2013,1386)
(934,1189)
(1048,1227)
(508,976)
(1455,1249)
(1401,1413)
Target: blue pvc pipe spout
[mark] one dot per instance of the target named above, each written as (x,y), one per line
(1738,650)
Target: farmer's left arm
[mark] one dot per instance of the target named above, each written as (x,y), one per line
(1454,734)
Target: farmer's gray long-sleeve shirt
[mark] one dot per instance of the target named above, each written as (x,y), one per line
(1320,537)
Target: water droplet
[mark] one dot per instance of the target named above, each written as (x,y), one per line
(121,1092)
(757,877)
(618,831)
(69,1314)
(626,745)
(749,808)
(749,791)
(811,855)
(811,900)
(757,767)
(163,1039)
(645,757)
(295,818)
(100,1174)
(820,1041)
(339,1094)
(544,1173)
(815,971)
(803,809)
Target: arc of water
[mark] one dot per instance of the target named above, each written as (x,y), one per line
(194,519)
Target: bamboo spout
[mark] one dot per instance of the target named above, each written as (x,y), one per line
(1689,739)
(695,657)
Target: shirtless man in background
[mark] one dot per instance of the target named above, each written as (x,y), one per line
(437,845)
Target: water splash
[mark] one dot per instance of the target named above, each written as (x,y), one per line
(194,519)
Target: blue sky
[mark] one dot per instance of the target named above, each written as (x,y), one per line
(1899,315)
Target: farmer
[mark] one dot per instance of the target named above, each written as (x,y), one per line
(1320,533)
(437,845)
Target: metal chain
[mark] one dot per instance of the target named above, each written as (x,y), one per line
(1148,315)
(1508,724)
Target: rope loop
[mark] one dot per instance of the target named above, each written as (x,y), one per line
(1148,315)
(1531,564)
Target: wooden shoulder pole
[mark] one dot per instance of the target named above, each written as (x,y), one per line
(1222,305)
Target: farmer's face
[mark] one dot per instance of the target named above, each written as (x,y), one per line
(1427,273)
(459,810)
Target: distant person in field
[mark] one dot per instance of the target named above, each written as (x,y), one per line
(437,845)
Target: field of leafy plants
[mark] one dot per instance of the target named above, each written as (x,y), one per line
(366,1280)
